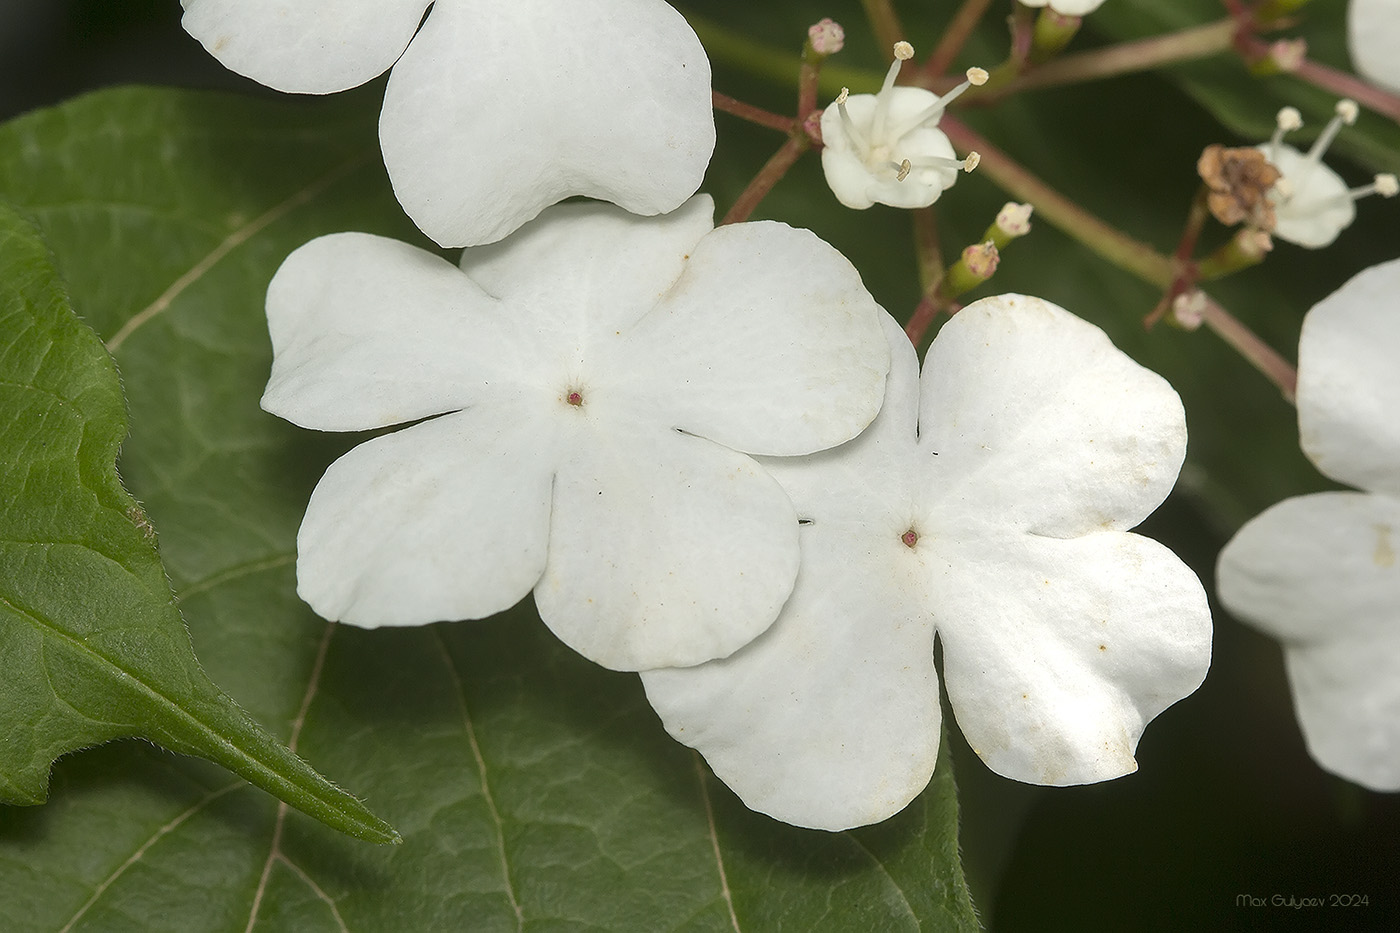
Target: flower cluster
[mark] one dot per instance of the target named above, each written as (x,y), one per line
(707,452)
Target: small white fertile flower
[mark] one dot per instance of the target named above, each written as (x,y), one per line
(886,148)
(989,503)
(588,386)
(1311,202)
(1373,35)
(495,109)
(1067,7)
(1320,572)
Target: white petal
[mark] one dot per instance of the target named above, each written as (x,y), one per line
(448,519)
(767,343)
(1319,206)
(829,719)
(1067,7)
(874,478)
(1057,653)
(1349,381)
(1347,695)
(589,269)
(1039,421)
(305,46)
(368,332)
(665,550)
(1373,35)
(1320,572)
(1315,568)
(497,111)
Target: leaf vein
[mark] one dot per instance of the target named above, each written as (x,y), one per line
(714,842)
(229,244)
(485,786)
(141,850)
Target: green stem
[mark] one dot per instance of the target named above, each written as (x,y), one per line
(772,172)
(884,21)
(1247,343)
(1123,58)
(1112,244)
(930,256)
(956,36)
(751,113)
(1347,85)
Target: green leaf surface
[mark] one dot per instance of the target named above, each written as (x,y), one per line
(533,790)
(92,647)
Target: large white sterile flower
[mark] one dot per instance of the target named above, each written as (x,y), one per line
(1373,35)
(886,148)
(495,109)
(1067,7)
(595,378)
(1320,572)
(989,503)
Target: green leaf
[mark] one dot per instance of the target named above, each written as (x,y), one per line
(1248,105)
(93,646)
(532,788)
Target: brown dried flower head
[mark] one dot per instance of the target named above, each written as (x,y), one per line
(1239,181)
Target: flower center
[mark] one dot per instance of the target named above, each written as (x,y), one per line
(910,538)
(878,141)
(574,398)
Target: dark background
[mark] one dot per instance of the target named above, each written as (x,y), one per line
(1226,803)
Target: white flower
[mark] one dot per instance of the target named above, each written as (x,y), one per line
(498,108)
(988,503)
(1373,35)
(1067,7)
(596,376)
(1320,572)
(1311,202)
(885,148)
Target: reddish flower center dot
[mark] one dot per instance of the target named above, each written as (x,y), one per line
(574,398)
(910,538)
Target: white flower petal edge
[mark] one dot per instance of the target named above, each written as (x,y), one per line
(1349,381)
(369,332)
(1067,7)
(1321,574)
(1057,653)
(494,114)
(1059,650)
(447,519)
(1059,433)
(495,109)
(645,524)
(305,46)
(735,337)
(1373,35)
(665,546)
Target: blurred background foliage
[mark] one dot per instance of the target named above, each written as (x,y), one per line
(1227,801)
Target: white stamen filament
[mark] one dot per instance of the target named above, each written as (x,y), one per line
(1385,185)
(975,76)
(1347,112)
(903,51)
(848,124)
(1289,119)
(962,165)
